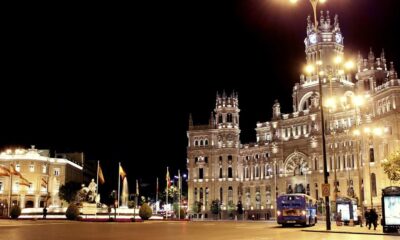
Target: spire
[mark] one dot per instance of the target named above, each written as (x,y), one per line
(336,23)
(223,94)
(190,120)
(392,72)
(328,18)
(321,19)
(383,59)
(371,58)
(211,121)
(310,25)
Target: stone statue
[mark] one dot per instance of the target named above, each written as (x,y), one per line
(91,196)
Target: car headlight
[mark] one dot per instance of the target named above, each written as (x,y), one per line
(278,212)
(303,212)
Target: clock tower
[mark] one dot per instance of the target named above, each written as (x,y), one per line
(325,42)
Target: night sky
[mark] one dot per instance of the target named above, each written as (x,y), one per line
(119,81)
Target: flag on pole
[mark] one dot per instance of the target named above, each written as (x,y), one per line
(167,178)
(4,171)
(122,173)
(44,182)
(137,187)
(100,174)
(157,186)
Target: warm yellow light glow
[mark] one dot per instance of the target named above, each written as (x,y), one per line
(349,65)
(293,1)
(356,132)
(358,100)
(319,62)
(378,131)
(322,1)
(337,60)
(367,130)
(309,69)
(343,99)
(321,73)
(330,103)
(340,72)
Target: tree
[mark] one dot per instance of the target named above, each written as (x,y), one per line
(72,212)
(68,191)
(391,166)
(15,212)
(145,211)
(215,207)
(197,207)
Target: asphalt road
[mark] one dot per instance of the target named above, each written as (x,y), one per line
(63,230)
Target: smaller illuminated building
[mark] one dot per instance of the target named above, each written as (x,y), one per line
(31,178)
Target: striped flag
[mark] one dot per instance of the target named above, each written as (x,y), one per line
(122,173)
(137,187)
(4,171)
(100,174)
(168,179)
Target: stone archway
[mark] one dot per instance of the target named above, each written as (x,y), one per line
(295,163)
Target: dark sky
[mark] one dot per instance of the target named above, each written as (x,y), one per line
(119,81)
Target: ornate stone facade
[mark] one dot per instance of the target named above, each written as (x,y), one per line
(37,177)
(287,156)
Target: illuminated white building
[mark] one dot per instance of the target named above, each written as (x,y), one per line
(44,175)
(287,156)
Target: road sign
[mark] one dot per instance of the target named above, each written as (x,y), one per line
(326,190)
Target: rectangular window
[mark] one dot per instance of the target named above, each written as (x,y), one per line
(44,169)
(31,167)
(30,190)
(371,155)
(16,187)
(56,172)
(201,173)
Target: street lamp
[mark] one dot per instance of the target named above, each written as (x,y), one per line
(310,69)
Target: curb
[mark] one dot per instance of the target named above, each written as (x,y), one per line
(326,231)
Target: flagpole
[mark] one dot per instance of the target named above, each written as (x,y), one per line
(167,188)
(157,191)
(97,184)
(10,192)
(179,185)
(119,180)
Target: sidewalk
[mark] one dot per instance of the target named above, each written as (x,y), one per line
(321,227)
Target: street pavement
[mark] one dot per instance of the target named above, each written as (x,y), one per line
(168,230)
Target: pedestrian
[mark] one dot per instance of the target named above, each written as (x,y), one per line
(366,216)
(359,217)
(339,218)
(373,218)
(44,212)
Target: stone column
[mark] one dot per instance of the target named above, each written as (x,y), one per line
(22,201)
(37,201)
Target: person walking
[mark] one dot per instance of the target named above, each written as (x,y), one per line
(44,212)
(359,217)
(373,218)
(366,216)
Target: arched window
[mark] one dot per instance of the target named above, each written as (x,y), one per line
(230,173)
(230,195)
(229,117)
(207,196)
(221,194)
(201,173)
(206,159)
(201,195)
(246,170)
(230,157)
(196,159)
(220,172)
(220,118)
(196,143)
(201,142)
(371,155)
(316,191)
(257,171)
(206,142)
(315,163)
(373,184)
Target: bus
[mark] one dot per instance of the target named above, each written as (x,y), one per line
(296,208)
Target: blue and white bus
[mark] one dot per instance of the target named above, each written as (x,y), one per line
(296,208)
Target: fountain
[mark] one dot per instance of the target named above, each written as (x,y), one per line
(125,194)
